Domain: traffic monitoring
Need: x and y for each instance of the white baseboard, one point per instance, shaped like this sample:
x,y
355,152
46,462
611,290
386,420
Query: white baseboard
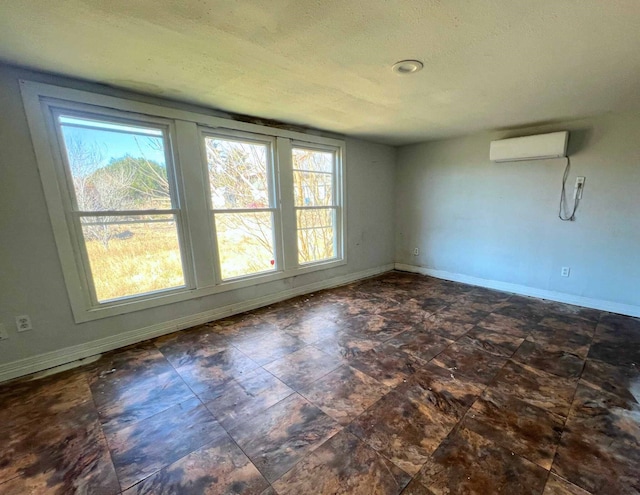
x,y
603,305
67,355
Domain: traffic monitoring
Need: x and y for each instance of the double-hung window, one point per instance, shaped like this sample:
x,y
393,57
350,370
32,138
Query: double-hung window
x,y
122,204
152,205
316,203
242,198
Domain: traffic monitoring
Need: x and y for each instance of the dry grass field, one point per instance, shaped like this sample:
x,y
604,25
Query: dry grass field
x,y
147,260
146,257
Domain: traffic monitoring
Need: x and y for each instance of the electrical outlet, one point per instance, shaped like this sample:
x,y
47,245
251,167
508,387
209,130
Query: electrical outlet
x,y
23,322
565,271
579,187
416,251
3,332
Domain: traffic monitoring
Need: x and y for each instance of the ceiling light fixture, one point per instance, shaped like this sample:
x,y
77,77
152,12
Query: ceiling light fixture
x,y
405,67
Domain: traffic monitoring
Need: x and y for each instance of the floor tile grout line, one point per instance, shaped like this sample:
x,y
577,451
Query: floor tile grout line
x,y
489,384
573,397
102,432
307,455
389,390
505,446
195,396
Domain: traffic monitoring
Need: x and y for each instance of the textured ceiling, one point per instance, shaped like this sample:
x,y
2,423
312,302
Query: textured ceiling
x,y
326,64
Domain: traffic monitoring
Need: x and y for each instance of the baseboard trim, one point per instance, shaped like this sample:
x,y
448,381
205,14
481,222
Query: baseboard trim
x,y
68,355
603,305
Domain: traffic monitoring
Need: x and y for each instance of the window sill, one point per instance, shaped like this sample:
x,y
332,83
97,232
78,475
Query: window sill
x,y
124,306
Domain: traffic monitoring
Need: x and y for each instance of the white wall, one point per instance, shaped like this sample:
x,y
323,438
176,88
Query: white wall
x,y
475,219
30,274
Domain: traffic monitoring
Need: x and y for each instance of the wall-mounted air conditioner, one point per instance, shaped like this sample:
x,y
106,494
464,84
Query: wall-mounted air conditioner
x,y
538,147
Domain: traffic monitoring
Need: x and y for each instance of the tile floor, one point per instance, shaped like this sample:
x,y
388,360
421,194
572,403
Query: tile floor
x,y
396,384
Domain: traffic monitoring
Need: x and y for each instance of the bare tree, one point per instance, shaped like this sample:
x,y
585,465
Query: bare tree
x,y
97,189
238,179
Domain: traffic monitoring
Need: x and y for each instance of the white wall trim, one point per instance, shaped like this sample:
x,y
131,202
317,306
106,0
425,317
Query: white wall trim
x,y
601,304
67,355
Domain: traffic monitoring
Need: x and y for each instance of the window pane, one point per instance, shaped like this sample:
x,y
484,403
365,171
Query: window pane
x,y
316,235
245,243
312,188
135,255
316,161
115,166
237,173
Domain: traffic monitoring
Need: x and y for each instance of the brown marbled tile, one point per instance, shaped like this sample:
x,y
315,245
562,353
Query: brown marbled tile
x,y
320,327
468,360
376,327
435,385
623,381
303,367
500,344
343,465
562,309
387,364
245,325
344,393
600,447
362,302
468,463
422,345
561,363
558,486
121,404
525,309
73,427
243,397
67,455
276,439
269,347
536,387
409,313
450,323
409,423
149,445
52,441
177,345
558,340
281,314
207,373
482,300
346,346
133,384
433,304
525,429
23,401
218,468
617,328
127,366
505,324
326,306
569,323
416,488
616,353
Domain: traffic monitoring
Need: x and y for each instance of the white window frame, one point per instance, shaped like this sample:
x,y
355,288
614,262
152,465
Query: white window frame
x,y
273,191
198,246
74,214
337,194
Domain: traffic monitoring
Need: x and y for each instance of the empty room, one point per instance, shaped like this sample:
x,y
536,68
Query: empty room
x,y
318,247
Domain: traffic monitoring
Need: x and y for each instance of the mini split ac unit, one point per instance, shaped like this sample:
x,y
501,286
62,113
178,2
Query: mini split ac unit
x,y
541,146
